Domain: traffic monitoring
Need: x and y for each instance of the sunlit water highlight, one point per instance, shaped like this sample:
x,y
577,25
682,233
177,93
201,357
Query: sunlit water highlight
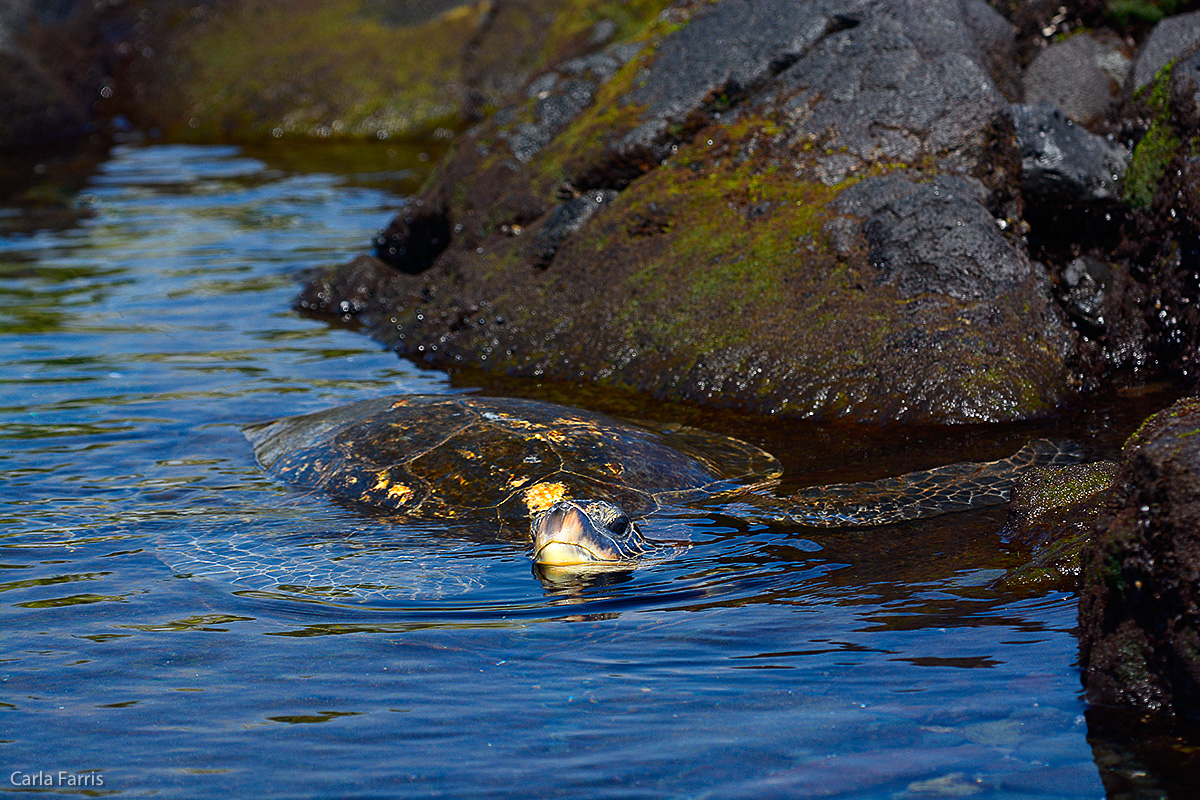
x,y
761,662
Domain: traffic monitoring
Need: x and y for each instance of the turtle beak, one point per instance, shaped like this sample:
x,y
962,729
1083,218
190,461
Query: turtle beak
x,y
563,535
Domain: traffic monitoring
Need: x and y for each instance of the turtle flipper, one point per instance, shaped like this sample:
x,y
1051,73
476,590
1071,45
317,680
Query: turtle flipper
x,y
927,493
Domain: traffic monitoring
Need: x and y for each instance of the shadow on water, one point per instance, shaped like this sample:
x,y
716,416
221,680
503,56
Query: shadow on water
x,y
1142,755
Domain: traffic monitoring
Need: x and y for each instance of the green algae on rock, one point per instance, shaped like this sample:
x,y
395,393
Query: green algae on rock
x,y
1052,513
1156,147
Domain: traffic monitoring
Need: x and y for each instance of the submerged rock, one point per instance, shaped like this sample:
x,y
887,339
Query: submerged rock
x,y
1139,614
1052,513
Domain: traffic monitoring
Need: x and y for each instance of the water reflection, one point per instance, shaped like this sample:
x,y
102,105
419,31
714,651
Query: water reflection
x,y
1143,755
762,660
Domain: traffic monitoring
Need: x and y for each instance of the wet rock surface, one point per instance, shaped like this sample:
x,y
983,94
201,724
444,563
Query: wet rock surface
x,y
1140,611
1124,263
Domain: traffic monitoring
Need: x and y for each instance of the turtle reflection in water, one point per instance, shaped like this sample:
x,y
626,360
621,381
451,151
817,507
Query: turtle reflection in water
x,y
581,480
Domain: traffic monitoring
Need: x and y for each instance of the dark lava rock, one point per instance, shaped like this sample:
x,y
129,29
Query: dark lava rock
x,y
728,50
1082,76
1063,163
1135,297
935,237
556,107
783,206
347,292
1171,39
561,95
1139,614
836,68
898,83
1153,317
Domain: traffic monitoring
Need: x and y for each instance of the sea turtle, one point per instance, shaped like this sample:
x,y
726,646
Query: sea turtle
x,y
581,480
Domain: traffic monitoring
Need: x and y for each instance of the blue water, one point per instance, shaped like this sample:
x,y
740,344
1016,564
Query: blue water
x,y
763,662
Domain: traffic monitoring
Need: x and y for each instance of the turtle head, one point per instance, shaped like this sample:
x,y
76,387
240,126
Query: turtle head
x,y
593,533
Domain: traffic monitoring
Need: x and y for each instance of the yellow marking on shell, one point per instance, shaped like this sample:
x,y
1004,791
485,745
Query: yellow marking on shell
x,y
541,496
395,491
468,454
400,493
517,483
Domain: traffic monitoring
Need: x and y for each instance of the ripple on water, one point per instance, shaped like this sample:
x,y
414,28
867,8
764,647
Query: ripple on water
x,y
161,592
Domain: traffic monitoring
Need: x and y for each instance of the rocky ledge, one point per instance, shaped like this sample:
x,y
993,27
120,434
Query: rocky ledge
x,y
821,208
1139,613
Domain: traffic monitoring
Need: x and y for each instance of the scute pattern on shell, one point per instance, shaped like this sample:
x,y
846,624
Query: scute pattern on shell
x,y
463,456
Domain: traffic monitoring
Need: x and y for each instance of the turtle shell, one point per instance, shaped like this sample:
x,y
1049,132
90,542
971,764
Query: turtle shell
x,y
437,456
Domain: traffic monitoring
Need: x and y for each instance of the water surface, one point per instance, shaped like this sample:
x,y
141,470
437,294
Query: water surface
x,y
765,661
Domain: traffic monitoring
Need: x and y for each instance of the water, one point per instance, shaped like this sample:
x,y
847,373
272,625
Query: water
x,y
762,662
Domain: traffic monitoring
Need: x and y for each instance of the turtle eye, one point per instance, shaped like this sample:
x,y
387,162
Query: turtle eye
x,y
619,525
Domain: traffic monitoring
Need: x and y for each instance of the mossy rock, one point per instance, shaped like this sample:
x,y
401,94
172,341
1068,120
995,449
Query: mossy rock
x,y
689,232
250,70
1157,146
723,280
1139,612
